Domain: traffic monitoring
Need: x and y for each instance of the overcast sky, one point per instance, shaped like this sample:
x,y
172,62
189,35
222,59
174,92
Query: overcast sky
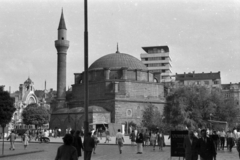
x,y
202,36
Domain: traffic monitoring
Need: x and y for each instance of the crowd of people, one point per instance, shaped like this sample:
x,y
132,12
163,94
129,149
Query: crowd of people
x,y
202,143
207,143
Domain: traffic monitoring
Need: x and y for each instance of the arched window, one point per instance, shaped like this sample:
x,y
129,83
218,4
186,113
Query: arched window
x,y
155,80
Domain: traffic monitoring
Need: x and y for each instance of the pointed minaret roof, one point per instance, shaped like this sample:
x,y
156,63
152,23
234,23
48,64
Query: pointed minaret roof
x,y
117,49
62,24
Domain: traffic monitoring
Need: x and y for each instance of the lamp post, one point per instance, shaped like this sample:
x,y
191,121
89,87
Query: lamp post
x,y
86,100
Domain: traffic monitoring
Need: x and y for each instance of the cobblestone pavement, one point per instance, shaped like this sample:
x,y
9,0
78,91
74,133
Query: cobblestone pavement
x,y
107,152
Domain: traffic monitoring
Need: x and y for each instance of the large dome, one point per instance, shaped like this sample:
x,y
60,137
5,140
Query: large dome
x,y
118,60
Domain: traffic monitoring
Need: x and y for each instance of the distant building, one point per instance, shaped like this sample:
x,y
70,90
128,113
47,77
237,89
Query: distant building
x,y
28,95
232,92
209,80
157,60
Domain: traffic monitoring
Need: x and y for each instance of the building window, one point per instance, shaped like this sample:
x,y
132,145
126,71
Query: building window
x,y
129,112
215,82
206,82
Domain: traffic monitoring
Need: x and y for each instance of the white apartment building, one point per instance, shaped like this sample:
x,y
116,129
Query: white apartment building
x,y
157,60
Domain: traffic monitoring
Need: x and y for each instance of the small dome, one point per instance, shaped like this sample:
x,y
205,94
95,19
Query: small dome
x,y
118,60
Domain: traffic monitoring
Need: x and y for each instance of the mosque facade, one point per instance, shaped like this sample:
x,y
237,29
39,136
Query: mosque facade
x,y
120,88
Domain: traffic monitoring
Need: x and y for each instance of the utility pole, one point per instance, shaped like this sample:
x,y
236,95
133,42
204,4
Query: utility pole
x,y
86,98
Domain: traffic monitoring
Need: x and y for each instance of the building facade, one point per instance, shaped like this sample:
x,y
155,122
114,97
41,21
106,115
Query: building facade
x,y
157,60
209,80
120,88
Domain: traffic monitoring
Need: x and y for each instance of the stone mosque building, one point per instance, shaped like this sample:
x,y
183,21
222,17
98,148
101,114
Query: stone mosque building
x,y
120,88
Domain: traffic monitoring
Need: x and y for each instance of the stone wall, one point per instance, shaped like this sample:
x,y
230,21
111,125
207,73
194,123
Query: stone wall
x,y
132,111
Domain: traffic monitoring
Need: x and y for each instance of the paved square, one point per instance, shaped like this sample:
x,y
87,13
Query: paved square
x,y
106,152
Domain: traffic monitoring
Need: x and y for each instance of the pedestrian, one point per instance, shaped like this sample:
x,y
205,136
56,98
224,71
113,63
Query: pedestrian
x,y
67,151
153,139
206,147
107,136
190,146
59,132
238,144
160,140
25,140
78,143
100,133
96,141
55,133
139,141
230,140
88,145
133,138
12,138
215,139
119,140
222,138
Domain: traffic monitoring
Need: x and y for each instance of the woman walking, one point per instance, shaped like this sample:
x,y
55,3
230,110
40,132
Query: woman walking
x,y
160,139
96,141
153,139
25,139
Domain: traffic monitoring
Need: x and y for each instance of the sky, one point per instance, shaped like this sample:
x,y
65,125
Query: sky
x,y
202,36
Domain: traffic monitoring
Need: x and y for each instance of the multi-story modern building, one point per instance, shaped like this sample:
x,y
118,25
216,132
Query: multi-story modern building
x,y
210,80
157,60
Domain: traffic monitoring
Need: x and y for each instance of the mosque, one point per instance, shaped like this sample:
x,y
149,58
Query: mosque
x,y
120,88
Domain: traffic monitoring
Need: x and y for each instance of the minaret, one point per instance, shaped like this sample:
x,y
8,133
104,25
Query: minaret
x,y
61,45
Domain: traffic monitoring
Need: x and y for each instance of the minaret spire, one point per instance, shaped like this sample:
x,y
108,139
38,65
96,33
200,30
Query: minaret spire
x,y
117,49
62,24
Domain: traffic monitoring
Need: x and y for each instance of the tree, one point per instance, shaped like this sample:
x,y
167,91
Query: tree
x,y
192,106
35,115
152,118
6,110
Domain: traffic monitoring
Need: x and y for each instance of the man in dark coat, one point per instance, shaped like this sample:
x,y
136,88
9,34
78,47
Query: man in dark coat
x,y
190,146
88,146
206,147
78,143
139,141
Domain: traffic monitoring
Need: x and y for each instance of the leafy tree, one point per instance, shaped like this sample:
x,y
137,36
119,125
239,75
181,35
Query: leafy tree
x,y
192,105
6,110
152,118
6,107
35,115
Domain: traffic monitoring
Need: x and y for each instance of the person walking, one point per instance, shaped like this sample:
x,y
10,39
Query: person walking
x,y
139,141
96,141
12,138
119,140
25,140
107,136
222,138
206,147
160,140
238,145
190,146
77,143
230,140
88,145
67,151
153,139
132,138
